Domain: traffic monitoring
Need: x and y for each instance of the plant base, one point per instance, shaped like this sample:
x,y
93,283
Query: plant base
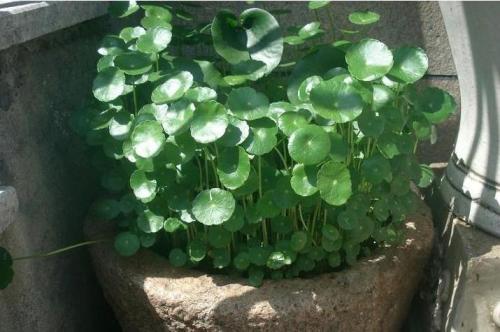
x,y
147,294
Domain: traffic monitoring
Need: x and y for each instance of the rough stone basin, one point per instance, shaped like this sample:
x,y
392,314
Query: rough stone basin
x,y
147,294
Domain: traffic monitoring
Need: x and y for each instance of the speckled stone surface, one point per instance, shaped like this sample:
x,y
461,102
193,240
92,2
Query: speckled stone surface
x,y
148,294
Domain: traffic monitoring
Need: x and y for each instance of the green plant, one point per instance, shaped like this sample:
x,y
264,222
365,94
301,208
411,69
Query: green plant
x,y
230,162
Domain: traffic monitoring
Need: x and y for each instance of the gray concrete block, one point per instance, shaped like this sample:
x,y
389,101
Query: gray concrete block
x,y
8,206
20,22
471,274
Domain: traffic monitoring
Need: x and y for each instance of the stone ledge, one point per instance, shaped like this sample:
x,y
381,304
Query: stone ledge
x,y
8,206
23,21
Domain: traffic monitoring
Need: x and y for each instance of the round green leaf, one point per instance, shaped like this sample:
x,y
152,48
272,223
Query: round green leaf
x,y
298,241
142,186
334,259
400,185
315,63
197,250
237,220
277,260
337,99
339,148
111,45
150,22
262,137
177,257
382,97
6,272
172,224
376,169
5,258
289,122
284,196
363,17
173,88
259,255
147,139
278,108
209,122
106,208
159,12
310,30
178,117
148,222
247,104
200,94
255,35
131,33
233,167
218,237
309,145
105,62
316,4
241,261
281,225
236,133
304,180
213,206
221,258
369,60
306,87
266,208
330,232
127,243
123,8
348,219
426,177
436,104
371,124
293,40
410,64
133,63
255,276
109,84
120,125
154,40
334,183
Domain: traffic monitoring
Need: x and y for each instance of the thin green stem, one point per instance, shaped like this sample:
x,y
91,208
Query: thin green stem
x,y
200,170
259,167
302,218
213,166
58,251
206,171
135,99
415,146
281,157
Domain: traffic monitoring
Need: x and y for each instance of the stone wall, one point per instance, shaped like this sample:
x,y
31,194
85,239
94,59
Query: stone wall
x,y
41,82
44,79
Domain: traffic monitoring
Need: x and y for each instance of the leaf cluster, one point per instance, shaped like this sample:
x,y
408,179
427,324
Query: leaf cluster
x,y
225,164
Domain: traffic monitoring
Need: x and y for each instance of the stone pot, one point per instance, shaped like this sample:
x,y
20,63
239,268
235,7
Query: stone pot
x,y
147,294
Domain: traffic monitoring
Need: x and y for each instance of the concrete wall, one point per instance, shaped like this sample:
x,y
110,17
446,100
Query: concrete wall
x,y
43,80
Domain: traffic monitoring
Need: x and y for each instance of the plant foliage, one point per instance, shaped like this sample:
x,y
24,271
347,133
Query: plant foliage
x,y
223,164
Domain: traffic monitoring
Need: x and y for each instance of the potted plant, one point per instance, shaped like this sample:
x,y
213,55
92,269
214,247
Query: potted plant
x,y
238,172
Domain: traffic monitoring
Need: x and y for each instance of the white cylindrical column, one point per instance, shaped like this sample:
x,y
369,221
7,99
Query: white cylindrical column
x,y
471,184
